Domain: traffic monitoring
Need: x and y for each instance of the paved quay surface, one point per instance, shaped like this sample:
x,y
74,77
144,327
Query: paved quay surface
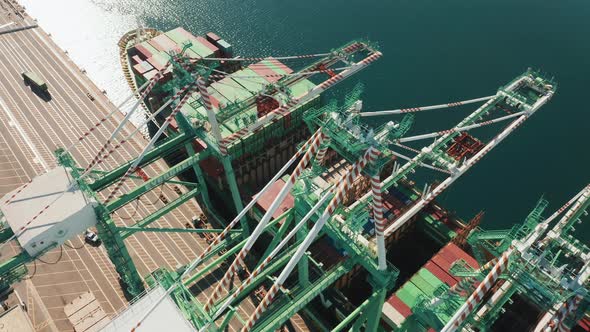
x,y
30,130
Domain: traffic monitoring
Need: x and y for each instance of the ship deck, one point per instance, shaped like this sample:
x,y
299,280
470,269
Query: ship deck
x,y
31,129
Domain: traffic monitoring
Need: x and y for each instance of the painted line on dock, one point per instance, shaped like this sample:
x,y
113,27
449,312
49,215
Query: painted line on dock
x,y
23,135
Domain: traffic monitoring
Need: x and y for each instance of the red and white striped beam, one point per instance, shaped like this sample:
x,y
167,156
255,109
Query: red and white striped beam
x,y
302,73
459,129
420,204
316,140
148,89
322,153
376,190
279,112
345,185
270,257
289,57
557,321
227,229
102,120
151,143
104,155
426,108
476,297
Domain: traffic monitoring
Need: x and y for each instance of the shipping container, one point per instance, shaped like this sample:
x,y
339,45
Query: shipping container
x,y
423,285
146,50
276,64
164,44
392,316
212,37
442,262
430,278
231,90
409,294
35,80
252,81
136,59
208,44
264,71
301,88
267,198
400,306
200,49
460,254
180,36
158,61
218,101
150,74
225,48
142,67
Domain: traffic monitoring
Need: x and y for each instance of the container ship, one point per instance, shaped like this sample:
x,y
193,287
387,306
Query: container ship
x,y
333,231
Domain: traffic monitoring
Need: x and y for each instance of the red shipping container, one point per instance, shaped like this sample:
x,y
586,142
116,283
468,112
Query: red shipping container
x,y
442,262
440,274
212,37
268,197
210,46
156,63
400,306
163,43
460,254
448,254
264,71
144,53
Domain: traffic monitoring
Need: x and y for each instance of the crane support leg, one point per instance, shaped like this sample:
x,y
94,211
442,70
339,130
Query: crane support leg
x,y
118,254
352,317
235,193
303,265
200,178
13,270
374,309
5,234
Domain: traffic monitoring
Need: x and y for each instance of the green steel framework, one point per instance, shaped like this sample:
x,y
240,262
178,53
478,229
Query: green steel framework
x,y
527,275
312,279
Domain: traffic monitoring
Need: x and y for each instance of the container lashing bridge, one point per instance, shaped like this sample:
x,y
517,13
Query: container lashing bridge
x,y
322,208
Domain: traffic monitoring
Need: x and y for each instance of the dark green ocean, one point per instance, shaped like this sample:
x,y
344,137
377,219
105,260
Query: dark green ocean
x,y
434,52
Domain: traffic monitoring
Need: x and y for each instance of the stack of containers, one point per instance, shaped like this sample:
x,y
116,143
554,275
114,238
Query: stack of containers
x,y
264,202
156,50
439,231
423,283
